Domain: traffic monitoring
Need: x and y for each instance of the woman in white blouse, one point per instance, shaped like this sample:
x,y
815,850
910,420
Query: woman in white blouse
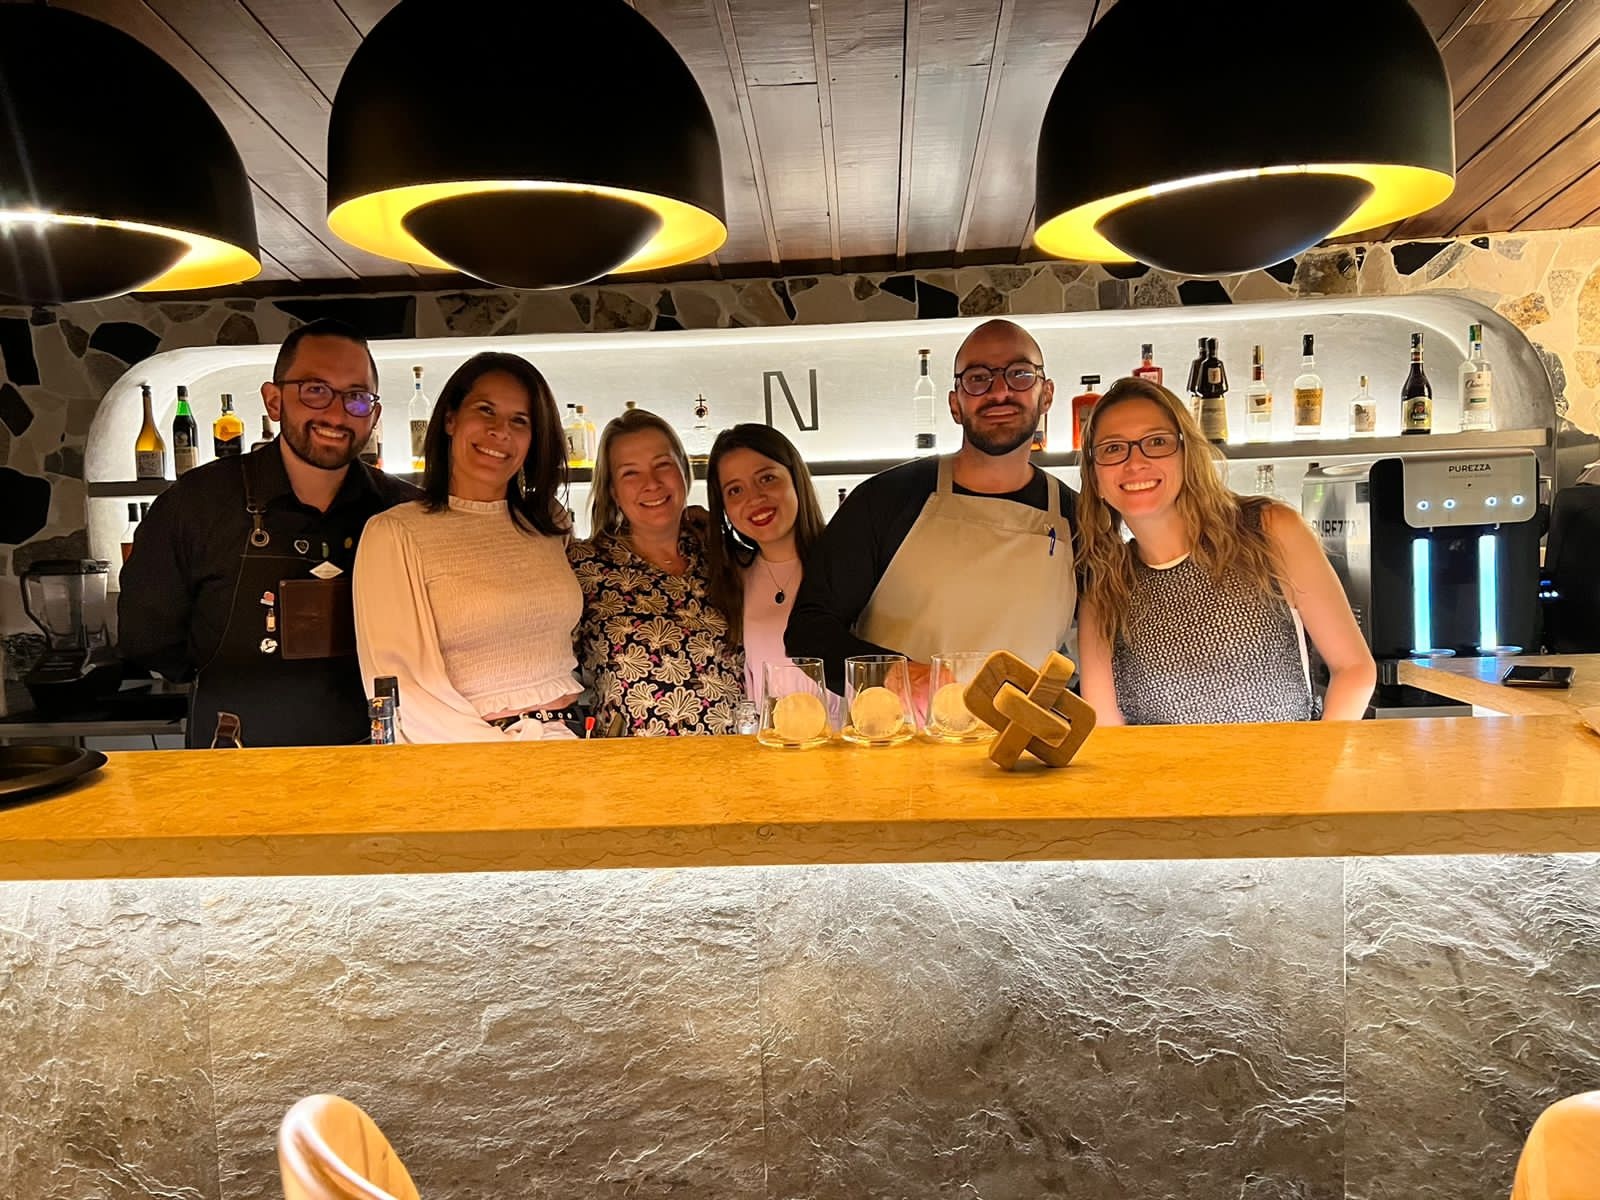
x,y
465,596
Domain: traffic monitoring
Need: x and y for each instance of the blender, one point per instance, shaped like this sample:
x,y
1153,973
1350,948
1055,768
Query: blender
x,y
66,599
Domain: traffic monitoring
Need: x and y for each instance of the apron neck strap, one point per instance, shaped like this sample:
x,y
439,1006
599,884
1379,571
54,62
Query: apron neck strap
x,y
947,474
258,531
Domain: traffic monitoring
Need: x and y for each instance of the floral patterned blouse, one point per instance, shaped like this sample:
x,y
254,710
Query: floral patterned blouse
x,y
651,644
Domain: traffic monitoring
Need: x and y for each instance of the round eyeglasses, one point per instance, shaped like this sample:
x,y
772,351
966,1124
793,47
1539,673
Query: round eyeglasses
x,y
358,402
1019,377
1152,445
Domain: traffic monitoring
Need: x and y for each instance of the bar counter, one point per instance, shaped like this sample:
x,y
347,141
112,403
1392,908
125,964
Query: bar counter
x,y
1518,785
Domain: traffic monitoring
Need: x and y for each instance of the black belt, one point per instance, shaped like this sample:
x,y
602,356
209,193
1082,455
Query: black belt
x,y
573,717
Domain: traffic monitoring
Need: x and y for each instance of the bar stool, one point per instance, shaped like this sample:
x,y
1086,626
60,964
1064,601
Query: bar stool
x,y
1561,1158
329,1149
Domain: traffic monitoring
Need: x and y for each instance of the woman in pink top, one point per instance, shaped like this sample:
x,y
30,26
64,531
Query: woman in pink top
x,y
765,507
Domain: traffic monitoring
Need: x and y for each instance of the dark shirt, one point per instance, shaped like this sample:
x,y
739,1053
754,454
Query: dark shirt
x,y
178,584
843,569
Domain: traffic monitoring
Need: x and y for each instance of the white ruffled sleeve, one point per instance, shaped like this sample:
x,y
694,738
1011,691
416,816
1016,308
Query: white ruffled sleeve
x,y
396,635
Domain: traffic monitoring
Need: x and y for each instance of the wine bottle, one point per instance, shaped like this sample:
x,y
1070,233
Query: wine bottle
x,y
227,431
1083,408
1147,369
266,434
417,418
1477,385
1308,391
185,435
131,530
1363,413
1258,399
1416,394
149,451
1214,396
925,408
1194,379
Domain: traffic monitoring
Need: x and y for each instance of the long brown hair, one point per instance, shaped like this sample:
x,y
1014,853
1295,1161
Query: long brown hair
x,y
727,553
540,505
1226,530
605,514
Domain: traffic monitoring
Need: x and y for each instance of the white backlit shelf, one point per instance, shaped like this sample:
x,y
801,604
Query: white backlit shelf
x,y
1318,448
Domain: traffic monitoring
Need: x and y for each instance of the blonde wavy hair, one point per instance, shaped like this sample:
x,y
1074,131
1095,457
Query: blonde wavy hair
x,y
605,514
1226,530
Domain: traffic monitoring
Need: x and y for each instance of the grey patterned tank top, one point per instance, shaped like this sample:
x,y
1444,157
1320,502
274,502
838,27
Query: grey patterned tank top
x,y
1195,653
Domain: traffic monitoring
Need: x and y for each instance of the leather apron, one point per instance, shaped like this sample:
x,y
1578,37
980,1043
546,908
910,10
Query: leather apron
x,y
976,573
283,695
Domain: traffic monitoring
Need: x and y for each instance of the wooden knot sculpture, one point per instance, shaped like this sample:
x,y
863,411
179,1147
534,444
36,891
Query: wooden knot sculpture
x,y
1032,710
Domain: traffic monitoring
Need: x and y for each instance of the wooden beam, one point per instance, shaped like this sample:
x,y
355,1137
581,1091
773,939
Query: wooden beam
x,y
910,71
830,164
865,45
317,35
991,93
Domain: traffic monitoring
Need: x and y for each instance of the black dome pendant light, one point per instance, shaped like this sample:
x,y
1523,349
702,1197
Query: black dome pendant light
x,y
1182,135
548,143
98,195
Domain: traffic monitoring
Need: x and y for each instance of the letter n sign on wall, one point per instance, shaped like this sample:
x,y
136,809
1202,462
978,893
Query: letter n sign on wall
x,y
767,378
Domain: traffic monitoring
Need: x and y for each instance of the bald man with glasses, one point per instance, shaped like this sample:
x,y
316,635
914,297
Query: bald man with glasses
x,y
239,579
964,552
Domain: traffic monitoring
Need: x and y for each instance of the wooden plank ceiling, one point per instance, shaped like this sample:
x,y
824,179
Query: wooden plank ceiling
x,y
877,133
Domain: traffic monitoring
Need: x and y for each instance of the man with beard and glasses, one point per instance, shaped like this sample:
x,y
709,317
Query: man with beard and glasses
x,y
966,552
239,579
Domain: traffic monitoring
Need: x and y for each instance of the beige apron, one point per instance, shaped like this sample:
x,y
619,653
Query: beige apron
x,y
976,573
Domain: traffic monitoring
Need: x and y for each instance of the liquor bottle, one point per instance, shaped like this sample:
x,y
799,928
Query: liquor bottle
x,y
699,446
1083,408
385,709
417,418
372,452
1267,481
1477,385
925,408
133,528
1363,413
266,434
1308,391
843,492
1213,396
1147,368
590,444
1258,399
149,451
185,435
1194,379
227,431
572,434
1416,394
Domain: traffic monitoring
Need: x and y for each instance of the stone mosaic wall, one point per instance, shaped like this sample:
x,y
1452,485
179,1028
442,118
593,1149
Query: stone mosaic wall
x,y
55,363
1274,1030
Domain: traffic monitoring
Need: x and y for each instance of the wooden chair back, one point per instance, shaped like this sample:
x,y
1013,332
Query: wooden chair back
x,y
329,1149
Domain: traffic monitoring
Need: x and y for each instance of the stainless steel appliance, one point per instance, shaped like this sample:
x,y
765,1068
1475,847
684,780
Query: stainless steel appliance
x,y
66,599
1438,554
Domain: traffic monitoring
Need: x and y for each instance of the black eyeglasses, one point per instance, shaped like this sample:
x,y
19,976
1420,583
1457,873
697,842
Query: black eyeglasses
x,y
1019,377
1152,445
358,402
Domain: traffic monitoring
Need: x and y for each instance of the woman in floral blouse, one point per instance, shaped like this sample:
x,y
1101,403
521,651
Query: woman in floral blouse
x,y
652,646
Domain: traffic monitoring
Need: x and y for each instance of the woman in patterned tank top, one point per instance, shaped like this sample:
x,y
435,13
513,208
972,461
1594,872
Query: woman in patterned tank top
x,y
1202,616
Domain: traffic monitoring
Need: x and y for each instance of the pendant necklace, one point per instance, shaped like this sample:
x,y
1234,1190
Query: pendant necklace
x,y
781,594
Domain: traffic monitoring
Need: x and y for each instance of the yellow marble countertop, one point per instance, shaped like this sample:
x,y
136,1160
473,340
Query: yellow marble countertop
x,y
1391,787
1477,681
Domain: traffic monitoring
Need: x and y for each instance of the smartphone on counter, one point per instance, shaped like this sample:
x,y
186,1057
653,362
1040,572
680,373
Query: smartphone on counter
x,y
1524,675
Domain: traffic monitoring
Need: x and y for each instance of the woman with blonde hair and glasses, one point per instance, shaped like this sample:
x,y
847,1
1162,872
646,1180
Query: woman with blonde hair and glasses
x,y
1202,617
653,646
